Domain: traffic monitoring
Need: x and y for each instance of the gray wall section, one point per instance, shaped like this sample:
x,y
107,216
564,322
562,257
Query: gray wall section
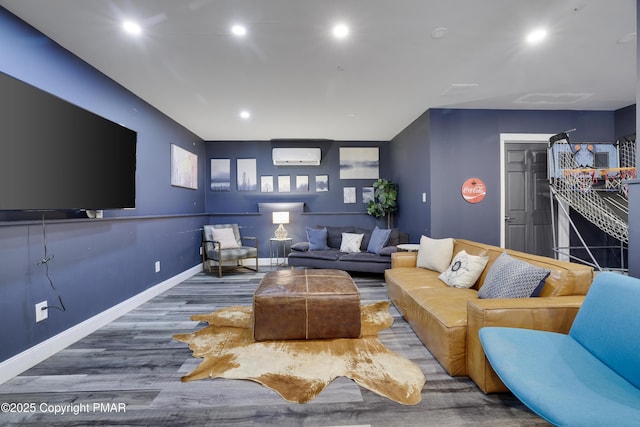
x,y
97,263
634,188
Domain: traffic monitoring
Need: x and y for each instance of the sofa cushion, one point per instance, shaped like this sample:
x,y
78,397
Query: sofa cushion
x,y
464,270
334,234
300,246
317,239
365,257
435,254
351,242
366,232
511,278
328,254
388,250
226,237
394,237
379,238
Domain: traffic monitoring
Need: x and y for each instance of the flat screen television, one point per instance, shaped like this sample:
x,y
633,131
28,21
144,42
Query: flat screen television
x,y
55,155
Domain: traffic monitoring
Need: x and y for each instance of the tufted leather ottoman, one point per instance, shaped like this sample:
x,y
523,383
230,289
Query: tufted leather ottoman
x,y
306,304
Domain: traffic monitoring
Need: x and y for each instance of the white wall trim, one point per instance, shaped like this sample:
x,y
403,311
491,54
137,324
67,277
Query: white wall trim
x,y
39,352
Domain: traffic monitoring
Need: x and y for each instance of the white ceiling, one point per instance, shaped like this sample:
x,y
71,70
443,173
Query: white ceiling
x,y
300,82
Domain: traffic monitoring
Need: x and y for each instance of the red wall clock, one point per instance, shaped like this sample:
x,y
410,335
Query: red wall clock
x,y
473,190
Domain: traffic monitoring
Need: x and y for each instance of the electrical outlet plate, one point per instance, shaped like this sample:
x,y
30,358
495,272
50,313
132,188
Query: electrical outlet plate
x,y
42,312
157,266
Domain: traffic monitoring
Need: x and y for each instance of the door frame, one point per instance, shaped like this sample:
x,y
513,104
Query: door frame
x,y
528,138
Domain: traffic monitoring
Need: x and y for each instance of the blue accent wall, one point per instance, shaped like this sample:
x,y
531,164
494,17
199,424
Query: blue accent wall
x,y
320,208
443,148
97,263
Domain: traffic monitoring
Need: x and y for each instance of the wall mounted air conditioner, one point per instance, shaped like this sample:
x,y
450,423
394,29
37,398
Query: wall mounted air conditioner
x,y
289,156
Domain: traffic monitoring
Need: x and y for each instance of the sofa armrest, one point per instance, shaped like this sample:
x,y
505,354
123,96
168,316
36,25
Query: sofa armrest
x,y
555,314
404,259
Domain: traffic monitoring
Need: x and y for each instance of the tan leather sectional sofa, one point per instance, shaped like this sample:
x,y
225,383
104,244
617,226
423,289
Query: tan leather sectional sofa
x,y
447,319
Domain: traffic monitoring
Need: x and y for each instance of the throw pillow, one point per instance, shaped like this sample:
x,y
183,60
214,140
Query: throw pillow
x,y
317,239
226,238
435,254
378,240
351,242
511,278
464,270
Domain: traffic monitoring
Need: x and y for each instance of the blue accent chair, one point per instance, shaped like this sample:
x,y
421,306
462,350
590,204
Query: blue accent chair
x,y
590,377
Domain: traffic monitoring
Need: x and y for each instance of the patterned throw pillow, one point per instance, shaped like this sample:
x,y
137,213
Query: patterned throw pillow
x,y
464,270
435,254
511,278
351,242
226,237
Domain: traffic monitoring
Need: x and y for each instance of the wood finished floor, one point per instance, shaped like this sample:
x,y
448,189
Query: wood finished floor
x,y
131,370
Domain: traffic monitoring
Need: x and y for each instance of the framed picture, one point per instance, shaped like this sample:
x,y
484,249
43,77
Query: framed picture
x,y
247,175
184,168
220,175
349,194
359,162
302,183
266,183
367,194
284,183
322,182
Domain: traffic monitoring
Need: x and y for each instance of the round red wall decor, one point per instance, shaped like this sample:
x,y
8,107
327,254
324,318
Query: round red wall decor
x,y
473,190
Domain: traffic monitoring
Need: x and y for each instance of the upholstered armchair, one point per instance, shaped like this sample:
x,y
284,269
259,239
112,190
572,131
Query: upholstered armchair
x,y
222,243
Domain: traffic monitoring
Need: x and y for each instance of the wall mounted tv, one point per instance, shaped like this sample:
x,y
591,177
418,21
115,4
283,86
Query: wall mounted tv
x,y
57,156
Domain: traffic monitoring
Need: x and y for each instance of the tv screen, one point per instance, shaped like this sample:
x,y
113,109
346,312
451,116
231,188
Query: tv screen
x,y
55,155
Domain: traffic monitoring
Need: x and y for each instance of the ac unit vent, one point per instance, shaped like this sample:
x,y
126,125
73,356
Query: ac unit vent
x,y
296,156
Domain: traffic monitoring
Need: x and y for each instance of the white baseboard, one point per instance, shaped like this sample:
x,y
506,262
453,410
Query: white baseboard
x,y
39,352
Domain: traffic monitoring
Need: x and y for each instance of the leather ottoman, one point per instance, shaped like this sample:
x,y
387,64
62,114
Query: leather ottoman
x,y
306,304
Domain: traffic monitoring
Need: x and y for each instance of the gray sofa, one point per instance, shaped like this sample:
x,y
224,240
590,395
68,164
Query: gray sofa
x,y
362,261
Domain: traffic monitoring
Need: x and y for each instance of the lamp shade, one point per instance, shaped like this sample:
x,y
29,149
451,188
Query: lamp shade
x,y
281,217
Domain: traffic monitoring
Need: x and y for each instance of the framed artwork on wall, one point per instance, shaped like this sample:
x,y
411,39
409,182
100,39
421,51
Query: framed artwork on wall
x,y
367,194
359,162
220,175
266,183
302,183
322,182
284,183
184,168
247,175
349,194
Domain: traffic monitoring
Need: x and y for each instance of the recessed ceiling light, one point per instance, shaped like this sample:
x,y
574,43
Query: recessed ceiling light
x,y
439,33
536,36
132,27
340,31
245,114
239,30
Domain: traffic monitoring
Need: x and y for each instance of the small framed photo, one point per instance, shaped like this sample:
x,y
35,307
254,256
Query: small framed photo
x,y
266,183
349,194
284,183
322,182
367,194
302,183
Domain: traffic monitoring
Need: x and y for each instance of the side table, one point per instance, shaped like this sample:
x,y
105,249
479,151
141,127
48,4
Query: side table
x,y
275,246
409,247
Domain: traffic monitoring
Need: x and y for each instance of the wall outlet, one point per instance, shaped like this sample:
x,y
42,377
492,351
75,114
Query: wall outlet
x,y
200,250
424,197
42,312
157,266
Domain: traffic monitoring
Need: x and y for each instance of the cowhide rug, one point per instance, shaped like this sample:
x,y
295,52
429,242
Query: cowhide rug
x,y
300,370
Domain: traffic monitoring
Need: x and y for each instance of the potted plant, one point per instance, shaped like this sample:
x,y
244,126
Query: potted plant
x,y
385,200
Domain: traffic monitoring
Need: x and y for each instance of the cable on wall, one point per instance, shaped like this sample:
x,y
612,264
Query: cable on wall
x,y
45,261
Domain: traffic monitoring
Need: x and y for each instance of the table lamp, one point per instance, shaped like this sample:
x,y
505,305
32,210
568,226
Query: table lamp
x,y
280,218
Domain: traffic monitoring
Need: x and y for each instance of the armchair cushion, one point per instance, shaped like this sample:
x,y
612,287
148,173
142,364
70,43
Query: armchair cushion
x,y
226,237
